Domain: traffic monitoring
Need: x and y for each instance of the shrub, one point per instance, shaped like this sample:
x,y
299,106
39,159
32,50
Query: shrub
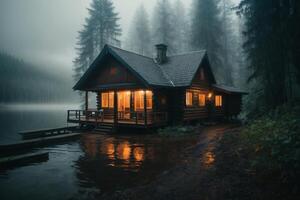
x,y
273,142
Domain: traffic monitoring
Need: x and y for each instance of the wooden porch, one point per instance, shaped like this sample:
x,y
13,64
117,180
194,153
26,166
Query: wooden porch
x,y
125,119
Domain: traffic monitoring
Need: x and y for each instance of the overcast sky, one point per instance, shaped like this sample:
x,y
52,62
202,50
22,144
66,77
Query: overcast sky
x,y
44,31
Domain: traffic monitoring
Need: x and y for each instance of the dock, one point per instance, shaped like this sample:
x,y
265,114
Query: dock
x,y
37,142
19,153
11,161
47,132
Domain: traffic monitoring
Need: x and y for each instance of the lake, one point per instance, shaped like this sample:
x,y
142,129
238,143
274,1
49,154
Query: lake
x,y
15,118
88,167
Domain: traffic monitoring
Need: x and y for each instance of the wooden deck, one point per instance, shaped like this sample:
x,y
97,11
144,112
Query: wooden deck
x,y
136,119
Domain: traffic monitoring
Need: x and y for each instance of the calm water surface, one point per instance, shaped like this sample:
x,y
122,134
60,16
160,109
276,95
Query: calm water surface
x,y
91,166
18,117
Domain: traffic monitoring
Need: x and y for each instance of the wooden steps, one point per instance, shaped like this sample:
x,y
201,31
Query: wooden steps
x,y
104,128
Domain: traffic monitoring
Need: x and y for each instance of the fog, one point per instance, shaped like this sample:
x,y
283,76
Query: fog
x,y
44,32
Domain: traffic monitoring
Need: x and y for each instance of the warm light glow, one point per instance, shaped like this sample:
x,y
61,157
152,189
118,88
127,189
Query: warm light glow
x,y
209,158
149,95
201,99
110,150
189,99
107,99
124,151
123,100
104,100
139,100
138,154
209,95
218,100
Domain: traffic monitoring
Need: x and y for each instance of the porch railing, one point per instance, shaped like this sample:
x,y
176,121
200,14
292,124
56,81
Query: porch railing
x,y
123,117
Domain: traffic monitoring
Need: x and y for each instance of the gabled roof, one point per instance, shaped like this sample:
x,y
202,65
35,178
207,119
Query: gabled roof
x,y
178,71
142,65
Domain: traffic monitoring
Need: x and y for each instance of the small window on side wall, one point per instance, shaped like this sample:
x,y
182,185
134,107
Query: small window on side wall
x,y
201,99
188,98
218,101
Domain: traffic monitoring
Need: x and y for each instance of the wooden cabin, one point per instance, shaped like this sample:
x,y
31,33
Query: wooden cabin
x,y
137,91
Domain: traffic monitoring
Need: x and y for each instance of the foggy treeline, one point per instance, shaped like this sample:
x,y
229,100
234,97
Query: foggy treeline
x,y
252,45
206,24
272,47
21,82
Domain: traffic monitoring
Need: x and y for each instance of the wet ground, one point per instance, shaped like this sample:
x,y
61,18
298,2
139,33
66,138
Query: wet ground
x,y
183,181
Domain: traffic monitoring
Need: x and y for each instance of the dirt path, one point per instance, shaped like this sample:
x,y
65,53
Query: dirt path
x,y
183,181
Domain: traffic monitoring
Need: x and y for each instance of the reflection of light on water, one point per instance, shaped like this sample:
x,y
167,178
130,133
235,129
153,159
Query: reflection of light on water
x,y
121,154
110,150
138,153
124,151
208,158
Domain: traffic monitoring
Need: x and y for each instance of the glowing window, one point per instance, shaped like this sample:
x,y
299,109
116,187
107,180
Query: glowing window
x,y
123,100
107,99
138,100
149,95
111,99
188,98
218,100
201,99
104,100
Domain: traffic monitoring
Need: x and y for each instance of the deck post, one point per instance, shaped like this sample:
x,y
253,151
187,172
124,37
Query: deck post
x,y
145,107
115,108
86,100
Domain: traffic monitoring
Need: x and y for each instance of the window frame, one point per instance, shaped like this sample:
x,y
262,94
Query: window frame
x,y
188,98
139,97
218,100
107,97
199,100
149,97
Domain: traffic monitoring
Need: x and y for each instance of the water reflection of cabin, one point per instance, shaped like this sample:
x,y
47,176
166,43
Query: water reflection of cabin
x,y
139,91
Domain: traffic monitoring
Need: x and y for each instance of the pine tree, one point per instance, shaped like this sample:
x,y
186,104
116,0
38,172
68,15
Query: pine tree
x,y
162,25
271,36
101,27
181,28
206,33
139,38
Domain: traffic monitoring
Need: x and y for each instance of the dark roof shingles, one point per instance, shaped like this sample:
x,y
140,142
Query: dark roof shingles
x,y
178,71
144,66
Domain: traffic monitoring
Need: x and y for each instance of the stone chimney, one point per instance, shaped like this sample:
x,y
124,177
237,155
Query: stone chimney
x,y
161,50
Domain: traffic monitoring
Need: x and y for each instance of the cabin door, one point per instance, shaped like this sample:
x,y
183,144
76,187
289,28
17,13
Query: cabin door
x,y
124,105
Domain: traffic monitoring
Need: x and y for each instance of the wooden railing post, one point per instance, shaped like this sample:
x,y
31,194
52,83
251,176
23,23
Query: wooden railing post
x,y
145,107
136,118
115,108
86,100
96,116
